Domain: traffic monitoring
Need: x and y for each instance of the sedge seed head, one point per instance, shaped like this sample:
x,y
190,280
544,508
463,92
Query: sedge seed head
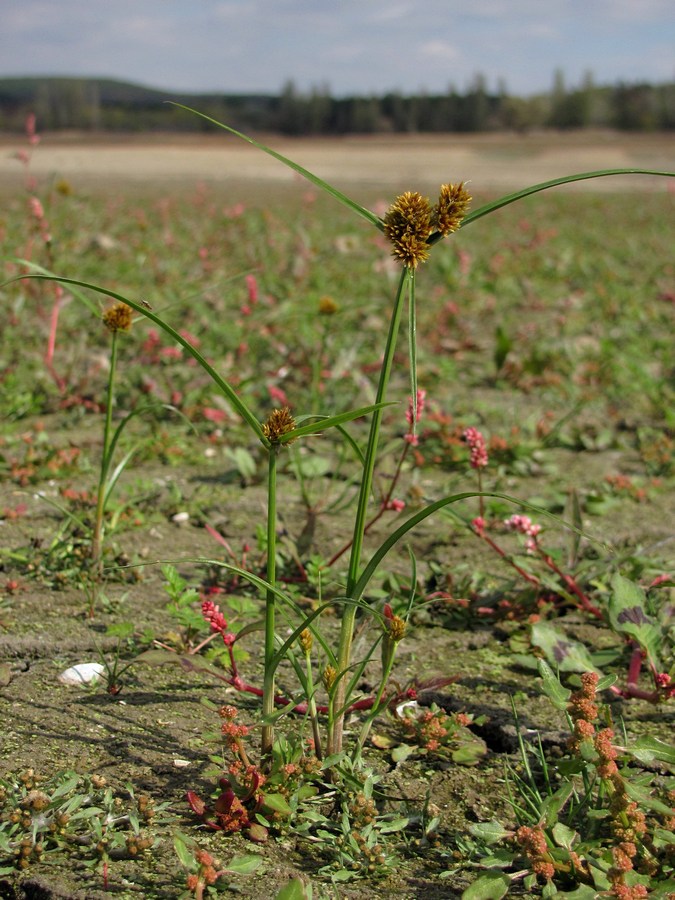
x,y
306,640
407,226
328,306
451,208
279,422
118,318
328,677
396,627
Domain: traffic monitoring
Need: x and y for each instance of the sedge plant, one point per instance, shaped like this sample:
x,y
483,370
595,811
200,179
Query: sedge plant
x,y
412,226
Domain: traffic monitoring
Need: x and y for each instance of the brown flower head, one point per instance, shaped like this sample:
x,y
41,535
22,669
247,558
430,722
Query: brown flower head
x,y
451,208
279,422
118,318
328,306
407,225
328,677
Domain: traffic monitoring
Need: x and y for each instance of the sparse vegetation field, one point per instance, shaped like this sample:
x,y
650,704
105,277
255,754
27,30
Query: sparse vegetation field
x,y
545,382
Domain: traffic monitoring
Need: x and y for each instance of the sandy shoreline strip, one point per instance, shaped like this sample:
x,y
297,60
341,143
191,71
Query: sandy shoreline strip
x,y
396,162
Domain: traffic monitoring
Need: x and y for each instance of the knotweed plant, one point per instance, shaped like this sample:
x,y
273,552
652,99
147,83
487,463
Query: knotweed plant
x,y
413,225
591,822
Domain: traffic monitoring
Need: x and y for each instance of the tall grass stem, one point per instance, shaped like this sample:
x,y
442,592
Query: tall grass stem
x,y
270,606
97,536
349,615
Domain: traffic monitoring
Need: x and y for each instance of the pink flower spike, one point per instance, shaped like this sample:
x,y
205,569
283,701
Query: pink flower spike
x,y
396,505
479,525
36,208
523,525
213,615
252,288
415,413
476,442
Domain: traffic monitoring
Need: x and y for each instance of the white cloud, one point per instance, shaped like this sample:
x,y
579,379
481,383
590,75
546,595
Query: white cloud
x,y
369,45
441,50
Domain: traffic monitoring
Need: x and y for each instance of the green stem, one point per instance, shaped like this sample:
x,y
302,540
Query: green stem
x,y
97,536
311,702
270,605
349,616
375,710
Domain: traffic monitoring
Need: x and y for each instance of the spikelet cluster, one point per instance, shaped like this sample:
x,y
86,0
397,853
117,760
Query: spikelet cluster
x,y
118,318
279,422
411,222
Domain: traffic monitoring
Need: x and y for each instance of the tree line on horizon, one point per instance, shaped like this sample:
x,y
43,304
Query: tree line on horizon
x,y
95,104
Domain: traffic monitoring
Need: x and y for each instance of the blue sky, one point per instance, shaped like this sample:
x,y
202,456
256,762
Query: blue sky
x,y
351,46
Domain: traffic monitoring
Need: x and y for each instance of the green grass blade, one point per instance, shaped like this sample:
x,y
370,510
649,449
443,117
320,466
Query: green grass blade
x,y
332,421
545,185
310,176
232,397
40,270
119,468
412,348
429,510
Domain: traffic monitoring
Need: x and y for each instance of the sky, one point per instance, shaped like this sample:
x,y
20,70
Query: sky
x,y
349,46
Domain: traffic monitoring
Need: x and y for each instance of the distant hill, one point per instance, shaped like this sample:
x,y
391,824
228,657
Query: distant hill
x,y
104,104
109,105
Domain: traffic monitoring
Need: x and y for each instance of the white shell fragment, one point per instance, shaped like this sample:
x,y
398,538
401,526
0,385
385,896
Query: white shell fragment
x,y
180,518
83,673
181,763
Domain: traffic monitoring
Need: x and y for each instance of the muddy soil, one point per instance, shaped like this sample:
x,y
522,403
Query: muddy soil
x,y
152,733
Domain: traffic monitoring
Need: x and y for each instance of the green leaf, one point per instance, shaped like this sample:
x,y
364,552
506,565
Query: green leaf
x,y
429,510
469,753
545,185
645,799
564,836
566,654
663,891
501,858
277,804
490,832
491,886
232,397
319,182
402,752
628,615
503,346
395,825
69,785
556,693
325,422
295,890
646,749
663,837
550,808
244,865
585,892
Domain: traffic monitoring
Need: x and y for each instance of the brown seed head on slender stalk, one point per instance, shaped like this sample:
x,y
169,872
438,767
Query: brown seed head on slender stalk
x,y
118,318
407,225
451,208
279,422
396,627
328,306
328,677
306,640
